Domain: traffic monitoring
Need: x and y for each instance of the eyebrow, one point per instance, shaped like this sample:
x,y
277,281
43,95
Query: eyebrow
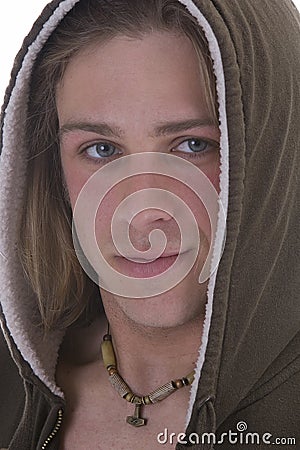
x,y
99,128
162,129
177,127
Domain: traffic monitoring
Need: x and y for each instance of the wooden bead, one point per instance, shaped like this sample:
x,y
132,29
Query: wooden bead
x,y
107,337
146,400
185,381
178,384
190,377
129,396
108,354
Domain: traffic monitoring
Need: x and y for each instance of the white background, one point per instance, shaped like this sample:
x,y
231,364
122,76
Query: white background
x,y
16,19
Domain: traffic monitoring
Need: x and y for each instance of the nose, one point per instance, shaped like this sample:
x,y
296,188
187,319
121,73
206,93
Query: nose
x,y
148,217
149,203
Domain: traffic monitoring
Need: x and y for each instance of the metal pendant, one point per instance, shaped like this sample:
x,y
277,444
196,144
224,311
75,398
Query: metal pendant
x,y
136,420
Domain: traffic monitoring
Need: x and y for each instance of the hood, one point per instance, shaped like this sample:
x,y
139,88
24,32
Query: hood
x,y
252,313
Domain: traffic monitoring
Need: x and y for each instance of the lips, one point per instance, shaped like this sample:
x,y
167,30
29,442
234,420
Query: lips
x,y
144,268
150,259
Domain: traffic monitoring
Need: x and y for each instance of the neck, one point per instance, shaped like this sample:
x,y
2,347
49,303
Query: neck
x,y
149,356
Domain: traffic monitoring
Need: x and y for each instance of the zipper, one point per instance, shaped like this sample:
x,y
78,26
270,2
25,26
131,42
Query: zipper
x,y
55,430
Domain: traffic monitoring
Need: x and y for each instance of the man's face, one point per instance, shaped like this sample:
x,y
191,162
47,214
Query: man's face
x,y
135,96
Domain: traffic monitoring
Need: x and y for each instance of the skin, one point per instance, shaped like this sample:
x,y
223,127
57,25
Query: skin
x,y
163,84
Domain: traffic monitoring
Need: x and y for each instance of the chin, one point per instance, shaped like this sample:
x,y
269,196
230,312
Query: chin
x,y
168,310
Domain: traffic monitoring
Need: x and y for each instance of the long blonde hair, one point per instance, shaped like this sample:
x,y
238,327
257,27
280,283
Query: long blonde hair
x,y
63,289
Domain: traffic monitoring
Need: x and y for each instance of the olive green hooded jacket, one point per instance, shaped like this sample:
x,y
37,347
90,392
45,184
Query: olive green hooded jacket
x,y
248,372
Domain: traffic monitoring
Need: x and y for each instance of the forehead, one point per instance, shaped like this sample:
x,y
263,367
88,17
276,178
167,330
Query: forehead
x,y
157,73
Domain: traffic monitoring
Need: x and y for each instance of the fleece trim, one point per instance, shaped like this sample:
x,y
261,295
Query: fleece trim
x,y
18,303
224,189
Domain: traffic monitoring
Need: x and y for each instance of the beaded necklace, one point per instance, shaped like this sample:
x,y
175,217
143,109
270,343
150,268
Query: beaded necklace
x,y
159,394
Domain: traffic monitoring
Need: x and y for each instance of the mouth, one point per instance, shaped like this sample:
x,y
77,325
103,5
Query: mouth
x,y
142,268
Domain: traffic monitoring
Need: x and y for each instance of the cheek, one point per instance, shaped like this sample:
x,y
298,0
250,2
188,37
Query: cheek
x,y
74,177
199,212
213,174
104,217
212,170
202,213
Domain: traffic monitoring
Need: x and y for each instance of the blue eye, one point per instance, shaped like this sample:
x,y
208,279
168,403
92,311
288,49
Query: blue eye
x,y
193,146
101,150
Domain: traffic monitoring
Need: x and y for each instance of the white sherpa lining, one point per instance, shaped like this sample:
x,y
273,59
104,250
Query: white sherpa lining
x,y
224,187
19,305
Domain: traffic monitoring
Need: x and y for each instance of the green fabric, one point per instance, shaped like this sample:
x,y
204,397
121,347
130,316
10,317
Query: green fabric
x,y
254,342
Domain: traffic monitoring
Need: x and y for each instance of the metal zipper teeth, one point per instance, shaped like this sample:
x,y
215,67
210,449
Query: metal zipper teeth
x,y
55,429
